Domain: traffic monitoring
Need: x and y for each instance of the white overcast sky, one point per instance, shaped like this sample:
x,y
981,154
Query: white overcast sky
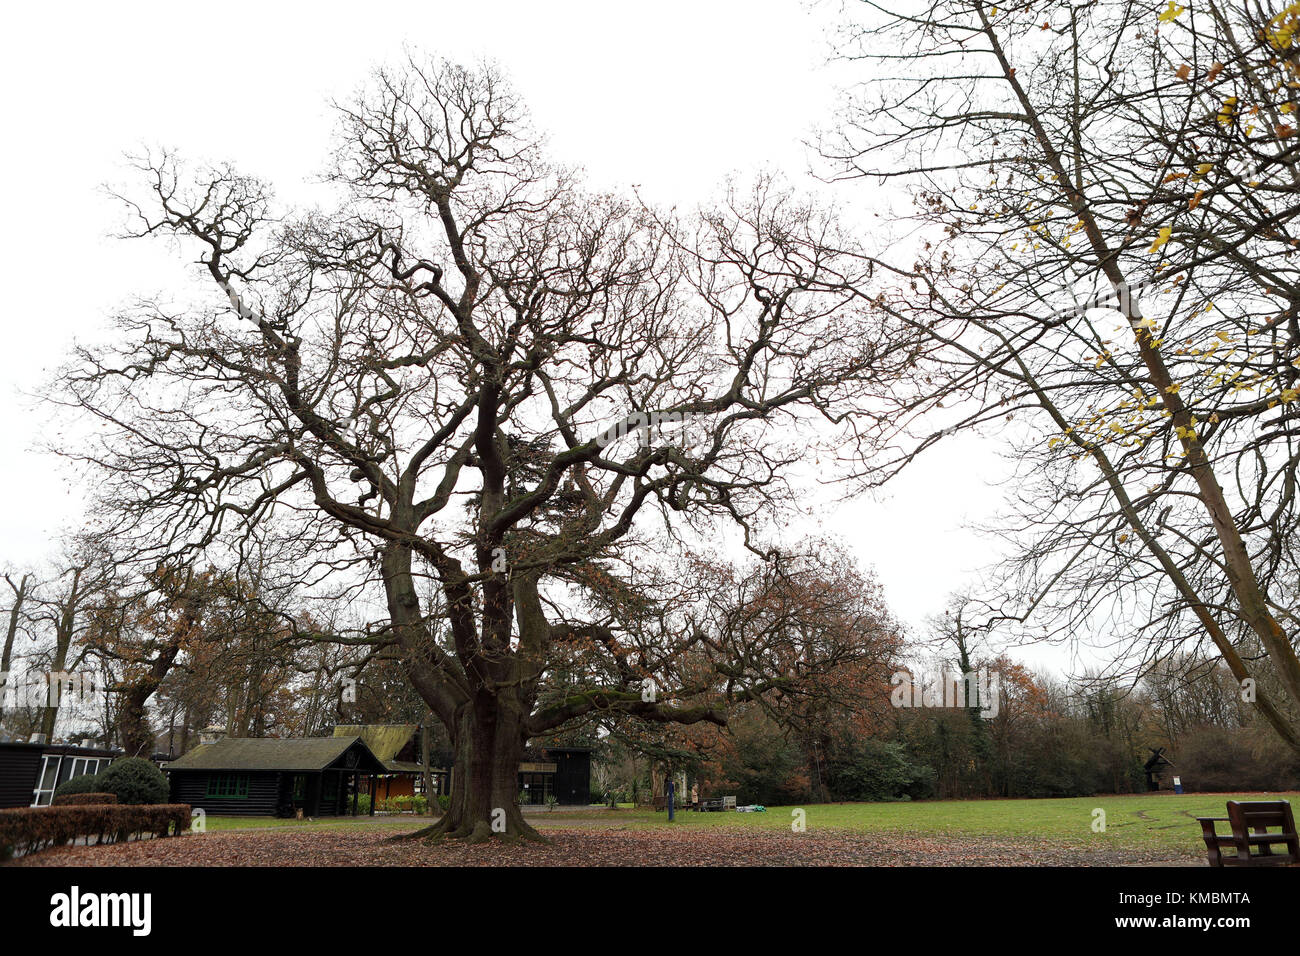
x,y
673,96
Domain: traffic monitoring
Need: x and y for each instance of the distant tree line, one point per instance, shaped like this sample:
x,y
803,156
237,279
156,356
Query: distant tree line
x,y
1049,738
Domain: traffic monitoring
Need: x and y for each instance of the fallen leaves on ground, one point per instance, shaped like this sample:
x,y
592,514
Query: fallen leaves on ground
x,y
602,846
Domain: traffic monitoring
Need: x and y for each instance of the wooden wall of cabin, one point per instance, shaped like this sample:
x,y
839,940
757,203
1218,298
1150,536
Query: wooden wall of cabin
x,y
191,786
572,782
395,786
332,791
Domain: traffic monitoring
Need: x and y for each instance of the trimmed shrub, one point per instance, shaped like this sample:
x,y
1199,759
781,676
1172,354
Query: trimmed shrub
x,y
30,829
135,781
86,783
76,799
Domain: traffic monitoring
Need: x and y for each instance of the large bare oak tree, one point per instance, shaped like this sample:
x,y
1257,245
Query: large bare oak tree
x,y
481,382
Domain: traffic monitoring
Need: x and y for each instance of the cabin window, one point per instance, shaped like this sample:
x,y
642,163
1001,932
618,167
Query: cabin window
x,y
47,781
228,786
534,788
330,787
299,786
79,766
56,769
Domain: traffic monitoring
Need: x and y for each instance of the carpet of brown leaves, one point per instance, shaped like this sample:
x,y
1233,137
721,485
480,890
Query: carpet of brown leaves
x,y
600,846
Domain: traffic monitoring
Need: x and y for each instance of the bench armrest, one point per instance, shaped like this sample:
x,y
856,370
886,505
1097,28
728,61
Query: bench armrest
x,y
1210,831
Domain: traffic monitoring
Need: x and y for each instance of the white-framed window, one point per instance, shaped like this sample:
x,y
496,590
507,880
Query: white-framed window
x,y
55,769
80,766
47,781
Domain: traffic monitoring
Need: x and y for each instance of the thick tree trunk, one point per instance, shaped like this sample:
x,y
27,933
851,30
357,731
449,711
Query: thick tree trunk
x,y
481,701
55,687
11,634
63,631
134,729
133,723
488,743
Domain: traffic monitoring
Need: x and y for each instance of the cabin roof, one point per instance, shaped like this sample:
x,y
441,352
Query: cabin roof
x,y
407,766
384,740
268,753
1158,761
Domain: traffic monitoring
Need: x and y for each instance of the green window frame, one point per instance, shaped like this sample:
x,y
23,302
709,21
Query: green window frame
x,y
228,786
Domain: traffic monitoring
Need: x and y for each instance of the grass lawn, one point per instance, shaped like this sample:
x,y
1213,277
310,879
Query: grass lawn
x,y
1156,825
1152,822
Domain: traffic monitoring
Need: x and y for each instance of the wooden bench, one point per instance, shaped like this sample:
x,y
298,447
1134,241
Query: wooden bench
x,y
1250,821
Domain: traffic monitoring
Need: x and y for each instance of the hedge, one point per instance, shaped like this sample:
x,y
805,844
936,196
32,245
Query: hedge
x,y
29,829
68,799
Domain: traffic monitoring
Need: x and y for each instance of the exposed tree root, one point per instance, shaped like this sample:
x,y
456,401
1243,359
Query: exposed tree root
x,y
479,832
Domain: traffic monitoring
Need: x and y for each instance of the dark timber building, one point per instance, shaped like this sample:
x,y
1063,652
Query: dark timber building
x,y
238,776
560,772
30,772
1157,768
546,771
322,776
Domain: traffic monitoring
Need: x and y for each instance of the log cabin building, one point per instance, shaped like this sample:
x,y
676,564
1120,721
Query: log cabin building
x,y
245,776
322,776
